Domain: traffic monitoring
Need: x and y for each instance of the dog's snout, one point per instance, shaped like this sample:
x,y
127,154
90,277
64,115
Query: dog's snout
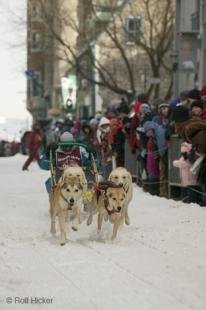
x,y
121,184
72,200
119,208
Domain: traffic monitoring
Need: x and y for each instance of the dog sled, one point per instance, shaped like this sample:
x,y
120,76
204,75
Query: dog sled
x,y
74,154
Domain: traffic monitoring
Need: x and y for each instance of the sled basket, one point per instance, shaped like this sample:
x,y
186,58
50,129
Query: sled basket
x,y
75,153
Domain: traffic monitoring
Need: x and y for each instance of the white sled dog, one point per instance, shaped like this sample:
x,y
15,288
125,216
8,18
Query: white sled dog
x,y
66,200
109,204
121,176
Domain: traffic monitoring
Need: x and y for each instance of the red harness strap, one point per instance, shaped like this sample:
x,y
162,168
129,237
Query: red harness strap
x,y
105,185
102,187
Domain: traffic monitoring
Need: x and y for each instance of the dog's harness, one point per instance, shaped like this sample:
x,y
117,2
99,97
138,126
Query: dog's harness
x,y
64,198
101,188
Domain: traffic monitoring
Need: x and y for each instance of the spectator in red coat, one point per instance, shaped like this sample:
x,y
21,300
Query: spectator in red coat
x,y
34,144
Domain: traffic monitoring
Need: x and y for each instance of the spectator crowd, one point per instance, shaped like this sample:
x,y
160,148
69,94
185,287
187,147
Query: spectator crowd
x,y
144,129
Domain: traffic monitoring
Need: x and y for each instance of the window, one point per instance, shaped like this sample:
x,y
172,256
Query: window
x,y
36,87
36,41
195,21
133,27
36,12
204,12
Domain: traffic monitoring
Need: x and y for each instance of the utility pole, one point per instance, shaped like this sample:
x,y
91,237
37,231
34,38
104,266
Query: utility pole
x,y
176,50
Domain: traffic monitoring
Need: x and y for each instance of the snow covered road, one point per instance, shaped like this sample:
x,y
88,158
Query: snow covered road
x,y
156,263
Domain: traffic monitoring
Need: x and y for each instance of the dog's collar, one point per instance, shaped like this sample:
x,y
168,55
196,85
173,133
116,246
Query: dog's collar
x,y
64,198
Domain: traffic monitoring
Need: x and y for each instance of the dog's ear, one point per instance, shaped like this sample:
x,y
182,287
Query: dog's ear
x,y
107,192
83,181
64,185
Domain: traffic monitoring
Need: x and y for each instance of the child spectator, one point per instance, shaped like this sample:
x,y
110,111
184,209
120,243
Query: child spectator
x,y
188,180
152,158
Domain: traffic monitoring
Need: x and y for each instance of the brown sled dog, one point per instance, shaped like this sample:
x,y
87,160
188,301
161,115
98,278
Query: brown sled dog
x,y
109,204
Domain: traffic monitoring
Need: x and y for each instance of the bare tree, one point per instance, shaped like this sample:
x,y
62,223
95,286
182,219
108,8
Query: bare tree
x,y
117,68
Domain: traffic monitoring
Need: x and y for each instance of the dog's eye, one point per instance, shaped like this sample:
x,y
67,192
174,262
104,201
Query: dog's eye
x,y
68,190
76,190
116,177
124,177
122,199
114,199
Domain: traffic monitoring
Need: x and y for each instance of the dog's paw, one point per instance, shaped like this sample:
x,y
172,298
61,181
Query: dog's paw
x,y
127,220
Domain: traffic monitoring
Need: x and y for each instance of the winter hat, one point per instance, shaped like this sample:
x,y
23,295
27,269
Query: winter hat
x,y
66,137
93,121
162,104
104,121
197,103
145,108
194,94
180,114
203,91
149,125
173,102
137,107
195,133
185,147
98,115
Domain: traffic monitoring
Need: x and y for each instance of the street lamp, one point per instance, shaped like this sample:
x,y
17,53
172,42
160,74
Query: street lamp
x,y
175,68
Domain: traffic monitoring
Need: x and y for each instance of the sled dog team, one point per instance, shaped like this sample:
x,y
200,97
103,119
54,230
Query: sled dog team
x,y
110,200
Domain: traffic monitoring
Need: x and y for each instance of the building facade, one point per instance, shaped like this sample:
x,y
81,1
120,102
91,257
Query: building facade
x,y
190,45
46,65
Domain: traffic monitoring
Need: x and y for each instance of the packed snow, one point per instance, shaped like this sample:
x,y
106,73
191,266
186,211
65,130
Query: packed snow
x,y
156,263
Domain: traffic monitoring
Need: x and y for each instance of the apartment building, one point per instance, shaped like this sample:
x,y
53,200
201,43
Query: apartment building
x,y
46,66
190,45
